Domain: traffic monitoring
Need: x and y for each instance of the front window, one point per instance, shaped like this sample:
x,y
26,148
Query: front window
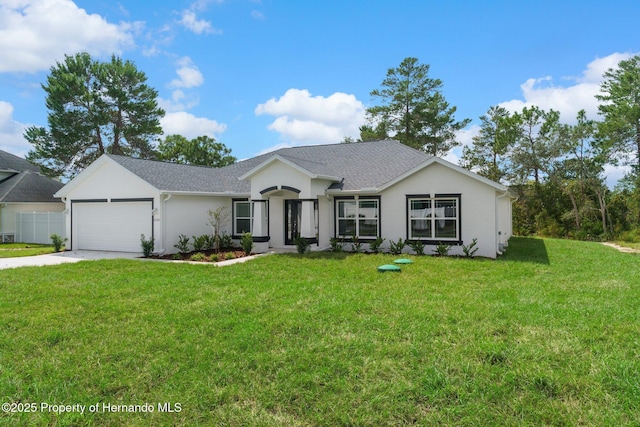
x,y
434,218
359,217
242,217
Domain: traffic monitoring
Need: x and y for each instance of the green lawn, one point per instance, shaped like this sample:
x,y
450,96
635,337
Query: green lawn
x,y
11,250
547,335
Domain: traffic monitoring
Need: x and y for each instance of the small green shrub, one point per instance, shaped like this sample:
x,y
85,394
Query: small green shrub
x,y
177,257
58,242
376,245
199,256
470,250
356,245
395,248
229,255
200,243
247,243
214,258
183,244
147,246
442,249
337,244
210,242
302,244
226,242
417,246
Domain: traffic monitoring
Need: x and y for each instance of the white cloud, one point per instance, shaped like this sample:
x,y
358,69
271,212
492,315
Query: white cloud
x,y
36,33
198,26
188,75
568,99
302,118
190,126
11,132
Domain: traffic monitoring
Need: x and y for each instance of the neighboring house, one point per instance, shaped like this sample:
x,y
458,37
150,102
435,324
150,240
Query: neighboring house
x,y
374,189
24,190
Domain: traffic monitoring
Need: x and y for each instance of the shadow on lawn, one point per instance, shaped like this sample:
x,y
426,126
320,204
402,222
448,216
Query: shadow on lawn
x,y
526,249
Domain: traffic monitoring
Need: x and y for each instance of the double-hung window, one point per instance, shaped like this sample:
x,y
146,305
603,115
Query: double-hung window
x,y
359,217
242,217
434,218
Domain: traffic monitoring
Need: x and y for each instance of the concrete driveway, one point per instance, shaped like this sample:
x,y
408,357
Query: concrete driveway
x,y
63,257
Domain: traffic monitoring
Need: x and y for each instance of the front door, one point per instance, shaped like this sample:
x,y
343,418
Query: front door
x,y
292,218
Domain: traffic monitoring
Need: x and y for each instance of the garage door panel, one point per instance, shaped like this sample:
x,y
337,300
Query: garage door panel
x,y
114,226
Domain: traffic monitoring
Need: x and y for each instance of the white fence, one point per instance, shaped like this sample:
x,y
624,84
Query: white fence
x,y
37,227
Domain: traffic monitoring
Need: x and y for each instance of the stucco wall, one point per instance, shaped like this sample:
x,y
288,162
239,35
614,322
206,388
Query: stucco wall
x,y
477,207
111,181
189,215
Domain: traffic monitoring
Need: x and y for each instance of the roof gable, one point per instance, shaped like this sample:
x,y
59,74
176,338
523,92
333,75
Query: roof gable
x,y
440,161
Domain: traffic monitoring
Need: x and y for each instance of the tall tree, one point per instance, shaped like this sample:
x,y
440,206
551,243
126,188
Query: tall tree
x,y
413,109
203,150
536,145
620,95
488,154
94,108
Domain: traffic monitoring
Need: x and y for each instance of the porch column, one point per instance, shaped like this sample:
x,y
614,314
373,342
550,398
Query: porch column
x,y
260,226
308,221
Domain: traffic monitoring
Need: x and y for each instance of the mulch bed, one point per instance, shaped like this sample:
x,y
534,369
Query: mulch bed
x,y
209,256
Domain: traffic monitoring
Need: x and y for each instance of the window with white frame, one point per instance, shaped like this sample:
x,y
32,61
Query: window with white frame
x,y
242,217
434,218
359,217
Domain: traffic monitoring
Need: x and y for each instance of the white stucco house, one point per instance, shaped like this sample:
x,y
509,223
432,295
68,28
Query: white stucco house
x,y
28,210
374,189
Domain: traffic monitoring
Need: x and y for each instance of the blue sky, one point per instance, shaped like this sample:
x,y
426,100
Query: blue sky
x,y
258,75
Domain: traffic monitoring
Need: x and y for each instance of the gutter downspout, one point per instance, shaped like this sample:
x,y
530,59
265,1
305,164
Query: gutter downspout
x,y
163,218
498,233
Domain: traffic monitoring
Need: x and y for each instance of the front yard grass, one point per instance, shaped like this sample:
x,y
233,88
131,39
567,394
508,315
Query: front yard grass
x,y
12,250
546,335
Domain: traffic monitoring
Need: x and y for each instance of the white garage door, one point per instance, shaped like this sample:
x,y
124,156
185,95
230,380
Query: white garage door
x,y
114,226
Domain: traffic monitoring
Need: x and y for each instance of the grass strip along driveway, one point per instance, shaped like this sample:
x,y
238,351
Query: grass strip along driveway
x,y
548,334
12,250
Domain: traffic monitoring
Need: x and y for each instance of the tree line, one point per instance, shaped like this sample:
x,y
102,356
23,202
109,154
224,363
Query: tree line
x,y
556,169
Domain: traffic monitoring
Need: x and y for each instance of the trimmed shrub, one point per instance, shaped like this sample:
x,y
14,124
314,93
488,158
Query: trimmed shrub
x,y
58,242
395,248
200,243
417,246
301,244
183,244
375,245
198,257
247,243
442,249
147,246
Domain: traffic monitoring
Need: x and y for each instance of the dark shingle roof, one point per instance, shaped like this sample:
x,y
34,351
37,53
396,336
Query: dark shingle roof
x,y
28,186
357,165
14,163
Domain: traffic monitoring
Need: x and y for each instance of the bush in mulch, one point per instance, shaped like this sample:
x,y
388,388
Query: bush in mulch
x,y
203,256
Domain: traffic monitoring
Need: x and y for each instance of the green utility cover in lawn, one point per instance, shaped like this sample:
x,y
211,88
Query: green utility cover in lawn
x,y
389,267
403,261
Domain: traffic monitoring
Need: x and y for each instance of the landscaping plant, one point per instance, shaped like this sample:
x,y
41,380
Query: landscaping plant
x,y
471,249
183,244
376,245
247,243
58,242
395,248
147,246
